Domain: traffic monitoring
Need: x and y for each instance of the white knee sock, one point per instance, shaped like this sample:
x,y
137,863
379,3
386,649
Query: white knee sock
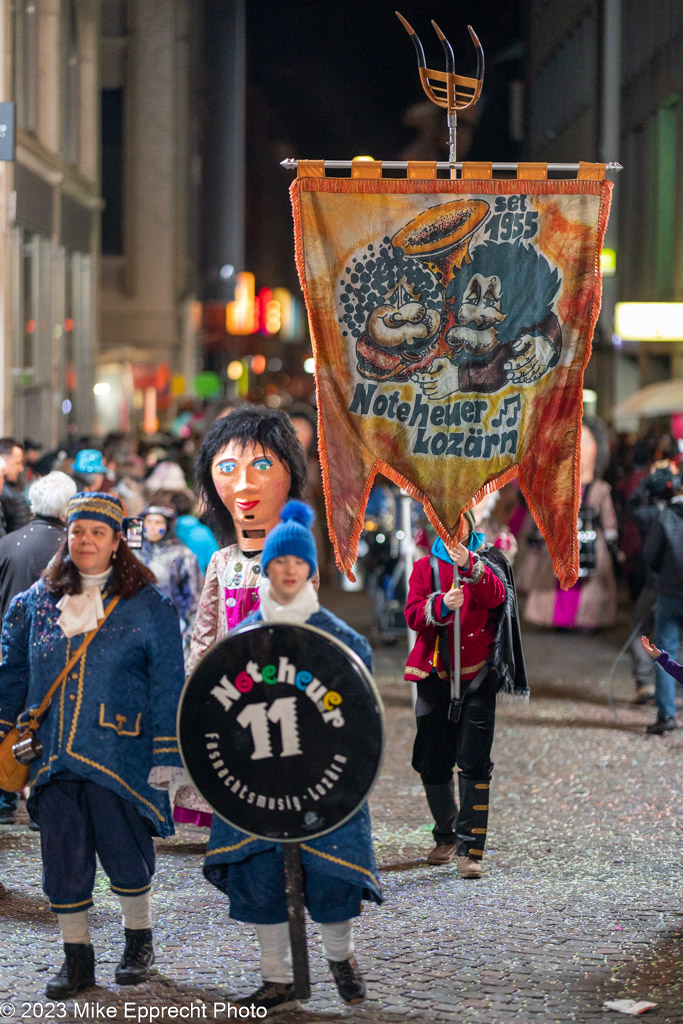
x,y
137,911
74,927
338,940
276,952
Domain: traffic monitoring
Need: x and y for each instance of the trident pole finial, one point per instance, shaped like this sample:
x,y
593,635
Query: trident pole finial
x,y
445,88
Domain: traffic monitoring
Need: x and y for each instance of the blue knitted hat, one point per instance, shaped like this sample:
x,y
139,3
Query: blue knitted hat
x,y
292,536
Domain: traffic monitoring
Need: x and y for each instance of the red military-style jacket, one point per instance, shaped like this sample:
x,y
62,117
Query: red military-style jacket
x,y
426,612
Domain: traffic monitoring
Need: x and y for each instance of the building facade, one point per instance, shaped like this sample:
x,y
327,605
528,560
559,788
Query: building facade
x,y
605,83
151,129
50,205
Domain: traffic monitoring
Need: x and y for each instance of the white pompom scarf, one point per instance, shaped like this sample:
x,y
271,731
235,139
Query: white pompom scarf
x,y
298,610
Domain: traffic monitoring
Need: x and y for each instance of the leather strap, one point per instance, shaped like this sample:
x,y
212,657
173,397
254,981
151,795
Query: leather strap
x,y
37,714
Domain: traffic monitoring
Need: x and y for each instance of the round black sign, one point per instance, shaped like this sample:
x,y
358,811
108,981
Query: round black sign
x,y
281,731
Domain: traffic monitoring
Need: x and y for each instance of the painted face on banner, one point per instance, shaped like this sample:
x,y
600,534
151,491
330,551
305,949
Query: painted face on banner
x,y
478,315
253,484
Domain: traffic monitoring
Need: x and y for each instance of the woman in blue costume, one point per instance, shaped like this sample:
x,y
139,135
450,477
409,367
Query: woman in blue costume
x,y
339,868
109,734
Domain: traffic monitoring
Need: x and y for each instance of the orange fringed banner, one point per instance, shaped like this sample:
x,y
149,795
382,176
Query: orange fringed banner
x,y
451,324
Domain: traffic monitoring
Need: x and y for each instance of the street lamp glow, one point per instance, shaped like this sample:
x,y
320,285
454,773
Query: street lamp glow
x,y
309,365
608,262
102,388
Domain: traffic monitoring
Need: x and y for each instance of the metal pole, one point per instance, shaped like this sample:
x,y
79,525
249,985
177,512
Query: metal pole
x,y
455,666
452,133
407,551
294,888
442,165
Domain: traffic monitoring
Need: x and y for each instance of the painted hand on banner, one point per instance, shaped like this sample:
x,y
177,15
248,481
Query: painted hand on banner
x,y
533,356
439,379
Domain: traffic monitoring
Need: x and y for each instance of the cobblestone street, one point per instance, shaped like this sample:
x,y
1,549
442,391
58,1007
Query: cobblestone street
x,y
580,900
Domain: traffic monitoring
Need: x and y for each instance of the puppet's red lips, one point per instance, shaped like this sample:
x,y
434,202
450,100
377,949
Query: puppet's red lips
x,y
246,506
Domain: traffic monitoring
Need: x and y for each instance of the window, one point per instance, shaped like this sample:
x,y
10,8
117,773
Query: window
x,y
71,85
26,63
666,129
112,171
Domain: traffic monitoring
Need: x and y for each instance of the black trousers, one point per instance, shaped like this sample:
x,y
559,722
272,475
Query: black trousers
x,y
441,745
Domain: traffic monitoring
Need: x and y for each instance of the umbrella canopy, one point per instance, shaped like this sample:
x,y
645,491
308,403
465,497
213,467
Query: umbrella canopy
x,y
661,399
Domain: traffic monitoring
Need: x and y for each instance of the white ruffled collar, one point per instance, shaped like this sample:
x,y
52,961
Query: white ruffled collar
x,y
81,612
298,610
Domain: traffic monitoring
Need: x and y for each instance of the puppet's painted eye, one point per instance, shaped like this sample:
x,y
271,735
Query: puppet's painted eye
x,y
262,464
226,466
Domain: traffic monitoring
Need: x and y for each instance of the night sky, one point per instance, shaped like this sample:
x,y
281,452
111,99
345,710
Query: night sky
x,y
338,75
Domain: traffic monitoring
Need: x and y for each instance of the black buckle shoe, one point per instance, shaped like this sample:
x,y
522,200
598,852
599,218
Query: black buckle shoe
x,y
138,957
77,972
349,980
272,996
661,725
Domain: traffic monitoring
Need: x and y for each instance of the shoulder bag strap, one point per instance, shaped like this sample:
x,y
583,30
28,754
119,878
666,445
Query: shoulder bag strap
x,y
45,703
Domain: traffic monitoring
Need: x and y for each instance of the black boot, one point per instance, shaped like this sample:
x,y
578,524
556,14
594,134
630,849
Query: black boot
x,y
441,800
473,818
77,973
138,957
444,810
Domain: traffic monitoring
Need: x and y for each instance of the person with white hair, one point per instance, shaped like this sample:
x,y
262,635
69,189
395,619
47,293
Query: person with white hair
x,y
26,552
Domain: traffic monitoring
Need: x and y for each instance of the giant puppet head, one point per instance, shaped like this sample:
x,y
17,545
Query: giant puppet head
x,y
249,464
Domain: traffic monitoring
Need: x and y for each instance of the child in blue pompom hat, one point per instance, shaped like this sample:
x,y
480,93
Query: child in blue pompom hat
x,y
334,886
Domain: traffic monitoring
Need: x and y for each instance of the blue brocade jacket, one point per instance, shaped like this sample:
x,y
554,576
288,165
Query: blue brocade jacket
x,y
113,718
346,852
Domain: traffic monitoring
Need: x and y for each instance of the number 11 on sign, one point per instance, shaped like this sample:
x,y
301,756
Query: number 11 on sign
x,y
281,712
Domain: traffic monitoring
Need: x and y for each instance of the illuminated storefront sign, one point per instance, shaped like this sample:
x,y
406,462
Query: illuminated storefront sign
x,y
649,321
267,312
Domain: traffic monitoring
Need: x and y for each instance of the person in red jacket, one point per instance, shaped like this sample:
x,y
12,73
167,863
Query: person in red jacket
x,y
491,663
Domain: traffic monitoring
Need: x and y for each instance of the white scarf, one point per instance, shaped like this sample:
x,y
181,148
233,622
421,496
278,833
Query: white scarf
x,y
81,612
298,610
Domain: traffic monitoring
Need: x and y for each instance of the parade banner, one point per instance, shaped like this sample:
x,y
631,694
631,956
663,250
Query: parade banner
x,y
451,323
281,731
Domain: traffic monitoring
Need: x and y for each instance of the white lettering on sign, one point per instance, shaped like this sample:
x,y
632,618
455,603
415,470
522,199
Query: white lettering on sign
x,y
281,712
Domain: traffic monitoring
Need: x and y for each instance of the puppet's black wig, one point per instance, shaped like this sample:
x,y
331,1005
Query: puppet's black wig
x,y
251,424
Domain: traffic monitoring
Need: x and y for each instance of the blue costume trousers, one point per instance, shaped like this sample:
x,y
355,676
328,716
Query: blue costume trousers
x,y
258,896
80,821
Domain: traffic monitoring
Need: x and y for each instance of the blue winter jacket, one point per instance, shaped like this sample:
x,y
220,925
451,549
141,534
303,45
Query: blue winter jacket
x,y
114,717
